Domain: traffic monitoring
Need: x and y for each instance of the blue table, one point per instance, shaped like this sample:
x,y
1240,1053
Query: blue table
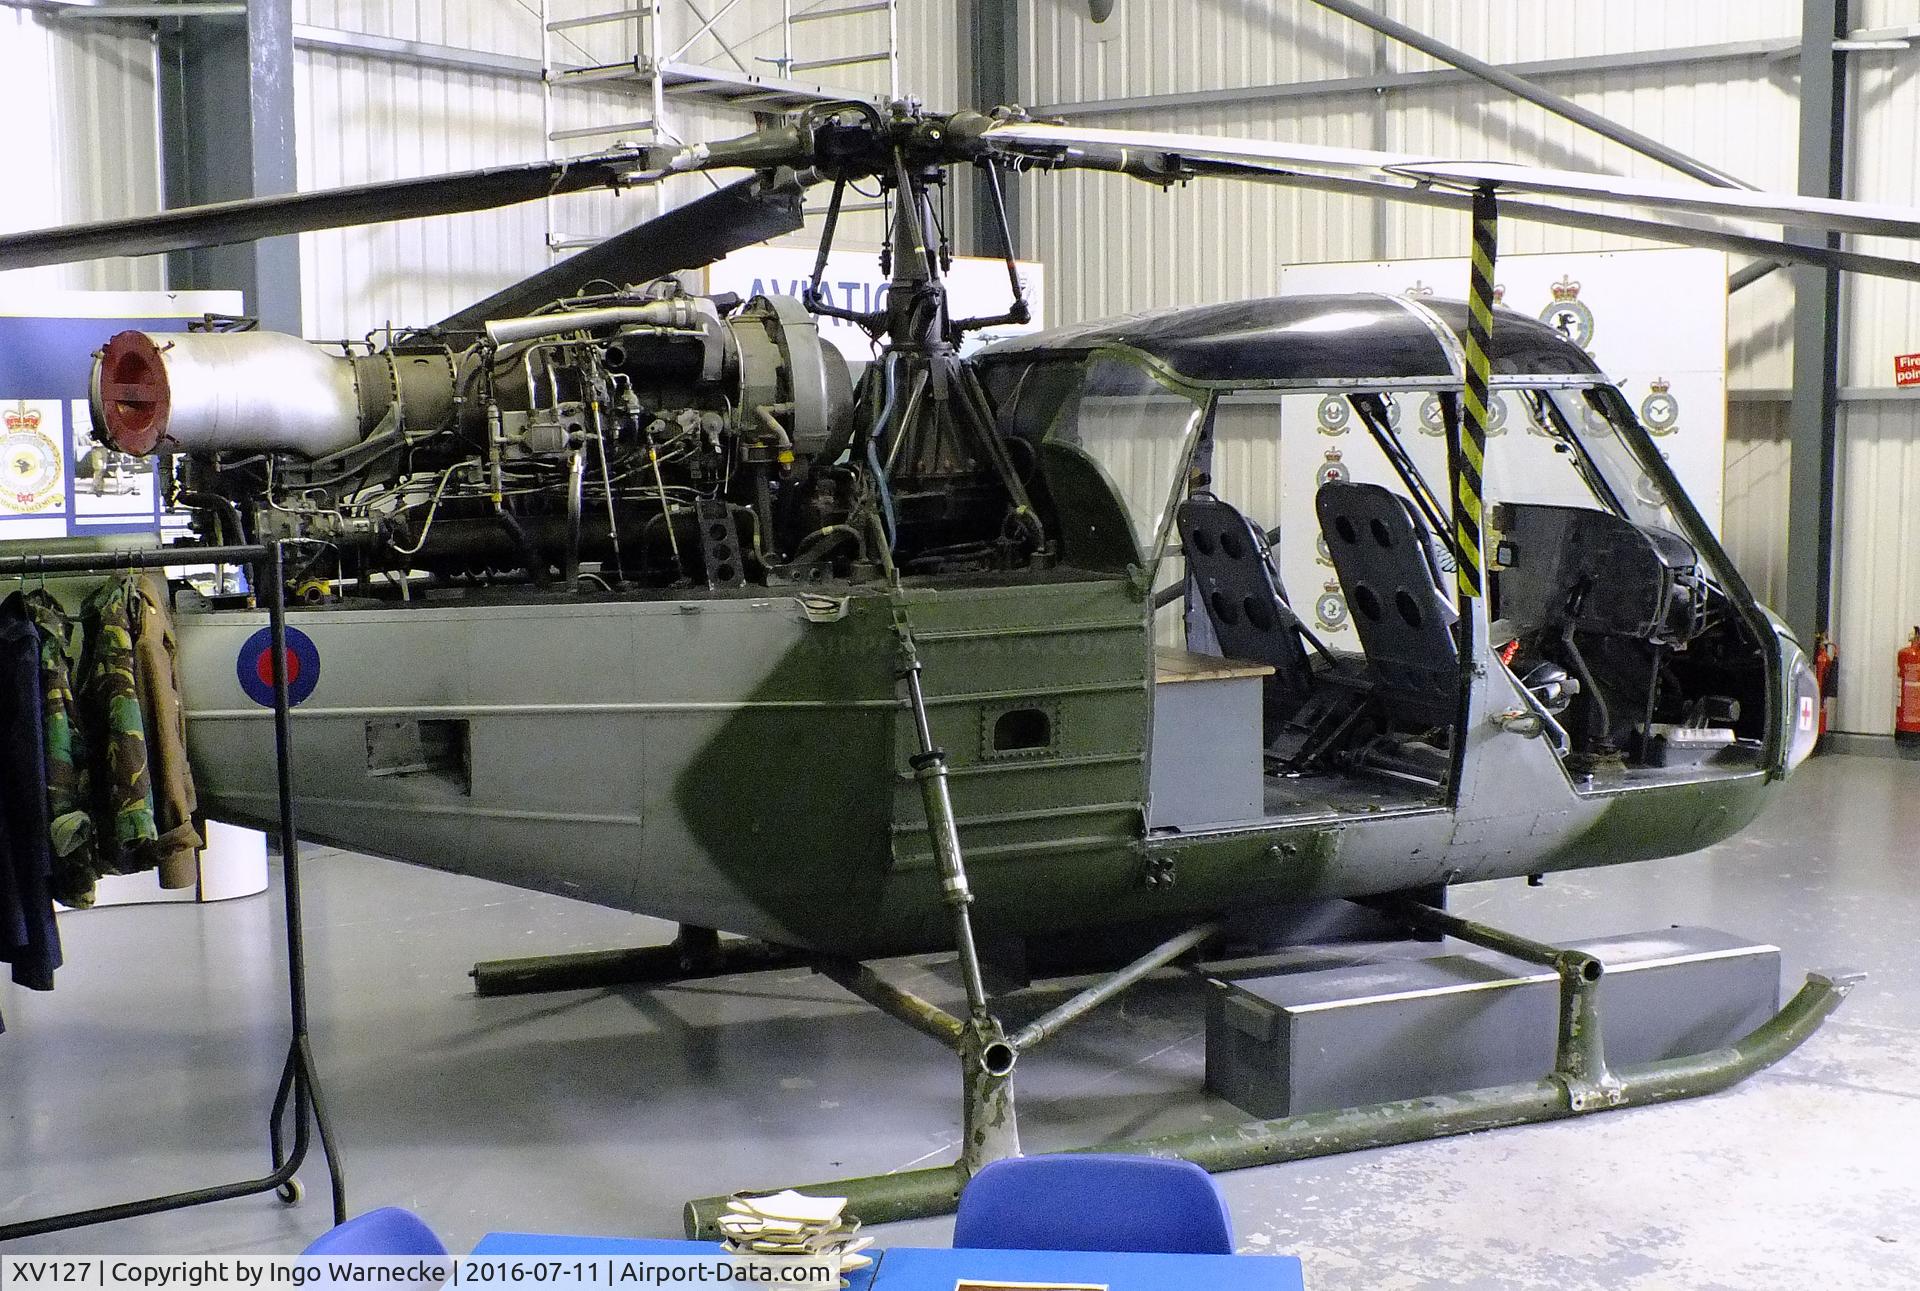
x,y
909,1268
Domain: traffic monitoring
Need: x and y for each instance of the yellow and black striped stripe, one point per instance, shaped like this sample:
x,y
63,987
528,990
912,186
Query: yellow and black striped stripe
x,y
1470,453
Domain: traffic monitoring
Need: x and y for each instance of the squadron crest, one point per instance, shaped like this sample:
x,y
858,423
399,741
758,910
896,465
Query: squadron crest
x,y
1660,410
1330,608
30,464
1568,315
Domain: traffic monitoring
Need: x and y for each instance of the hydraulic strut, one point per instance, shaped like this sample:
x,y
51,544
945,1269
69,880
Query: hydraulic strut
x,y
986,1059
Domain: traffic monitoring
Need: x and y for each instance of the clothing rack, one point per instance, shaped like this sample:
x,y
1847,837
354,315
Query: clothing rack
x,y
299,1082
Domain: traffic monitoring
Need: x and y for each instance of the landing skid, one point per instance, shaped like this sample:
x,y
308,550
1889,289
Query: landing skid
x,y
1581,1083
693,954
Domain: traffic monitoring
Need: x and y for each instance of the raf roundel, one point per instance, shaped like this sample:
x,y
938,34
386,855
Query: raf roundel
x,y
254,667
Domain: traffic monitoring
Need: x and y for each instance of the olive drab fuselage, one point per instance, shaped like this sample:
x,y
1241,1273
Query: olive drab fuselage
x,y
738,758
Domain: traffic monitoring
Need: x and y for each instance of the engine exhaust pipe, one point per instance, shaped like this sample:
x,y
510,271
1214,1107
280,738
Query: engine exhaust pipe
x,y
210,392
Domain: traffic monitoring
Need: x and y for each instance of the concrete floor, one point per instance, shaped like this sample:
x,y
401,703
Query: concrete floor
x,y
150,1068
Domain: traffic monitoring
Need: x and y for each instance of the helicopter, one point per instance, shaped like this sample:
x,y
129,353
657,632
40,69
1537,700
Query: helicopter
x,y
634,595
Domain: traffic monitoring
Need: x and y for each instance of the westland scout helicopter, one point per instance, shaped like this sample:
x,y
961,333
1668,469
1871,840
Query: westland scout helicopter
x,y
632,595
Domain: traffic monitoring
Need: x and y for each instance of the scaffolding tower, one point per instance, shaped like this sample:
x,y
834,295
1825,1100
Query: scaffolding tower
x,y
653,70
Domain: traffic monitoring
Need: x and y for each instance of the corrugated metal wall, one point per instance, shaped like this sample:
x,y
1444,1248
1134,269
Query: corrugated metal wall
x,y
1877,533
81,141
1752,528
1876,594
363,119
1883,318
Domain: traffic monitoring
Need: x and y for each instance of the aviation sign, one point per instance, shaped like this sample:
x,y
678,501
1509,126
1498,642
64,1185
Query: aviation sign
x,y
976,288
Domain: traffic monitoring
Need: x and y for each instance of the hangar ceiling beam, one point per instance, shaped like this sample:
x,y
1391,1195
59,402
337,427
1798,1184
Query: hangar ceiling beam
x,y
421,53
229,8
227,131
1559,105
1813,416
1520,87
1377,80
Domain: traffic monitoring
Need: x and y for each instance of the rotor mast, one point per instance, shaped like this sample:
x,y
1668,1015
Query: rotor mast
x,y
929,445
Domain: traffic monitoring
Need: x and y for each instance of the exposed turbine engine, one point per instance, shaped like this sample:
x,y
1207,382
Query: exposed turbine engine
x,y
664,437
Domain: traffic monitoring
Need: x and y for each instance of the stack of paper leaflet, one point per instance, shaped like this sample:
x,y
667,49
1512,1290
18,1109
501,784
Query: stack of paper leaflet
x,y
794,1230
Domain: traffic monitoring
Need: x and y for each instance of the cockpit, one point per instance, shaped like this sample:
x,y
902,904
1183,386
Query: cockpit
x,y
1284,489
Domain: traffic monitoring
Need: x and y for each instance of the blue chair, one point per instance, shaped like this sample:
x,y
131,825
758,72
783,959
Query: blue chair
x,y
1094,1202
387,1231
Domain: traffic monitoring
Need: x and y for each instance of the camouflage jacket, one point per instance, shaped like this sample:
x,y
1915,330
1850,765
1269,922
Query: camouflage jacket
x,y
156,671
115,730
69,777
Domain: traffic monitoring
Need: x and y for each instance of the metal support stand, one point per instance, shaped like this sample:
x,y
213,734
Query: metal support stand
x,y
693,954
299,1086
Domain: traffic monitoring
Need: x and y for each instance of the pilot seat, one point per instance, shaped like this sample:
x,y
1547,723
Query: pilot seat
x,y
1396,590
1232,569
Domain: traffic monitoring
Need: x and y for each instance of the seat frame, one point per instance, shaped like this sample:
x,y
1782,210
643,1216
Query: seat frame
x,y
1396,595
1230,565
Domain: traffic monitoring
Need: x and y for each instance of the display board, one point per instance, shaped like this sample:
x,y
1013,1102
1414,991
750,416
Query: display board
x,y
977,287
55,481
1655,322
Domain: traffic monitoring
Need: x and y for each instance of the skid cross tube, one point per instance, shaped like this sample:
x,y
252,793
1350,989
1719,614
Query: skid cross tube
x,y
916,1194
299,1086
986,1060
1580,1056
1107,987
898,1003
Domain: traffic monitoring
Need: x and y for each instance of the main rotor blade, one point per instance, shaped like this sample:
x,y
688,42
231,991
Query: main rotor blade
x,y
1593,221
249,218
1142,147
1159,155
747,211
1824,213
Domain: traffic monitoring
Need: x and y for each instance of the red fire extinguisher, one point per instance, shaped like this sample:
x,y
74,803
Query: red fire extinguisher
x,y
1906,713
1826,674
